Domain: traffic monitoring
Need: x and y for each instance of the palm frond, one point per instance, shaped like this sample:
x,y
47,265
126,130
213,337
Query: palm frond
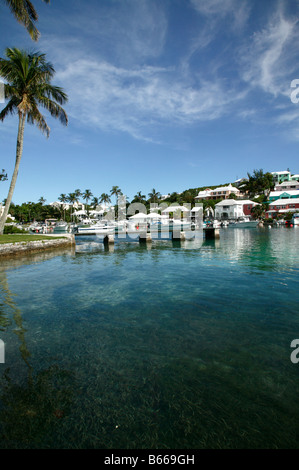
x,y
25,13
10,108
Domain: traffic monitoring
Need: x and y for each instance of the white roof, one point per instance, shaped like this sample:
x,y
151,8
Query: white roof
x,y
226,188
291,192
287,183
283,202
235,202
280,172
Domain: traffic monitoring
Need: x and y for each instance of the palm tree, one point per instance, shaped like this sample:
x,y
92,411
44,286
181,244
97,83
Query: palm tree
x,y
25,13
95,202
115,191
71,198
42,200
77,194
139,197
63,198
105,198
86,196
154,195
28,77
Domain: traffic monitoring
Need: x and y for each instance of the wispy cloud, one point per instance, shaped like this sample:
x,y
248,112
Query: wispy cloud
x,y
139,100
216,10
269,59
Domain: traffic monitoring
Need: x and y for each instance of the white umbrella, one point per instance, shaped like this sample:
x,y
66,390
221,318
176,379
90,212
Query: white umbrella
x,y
175,208
154,215
140,215
81,212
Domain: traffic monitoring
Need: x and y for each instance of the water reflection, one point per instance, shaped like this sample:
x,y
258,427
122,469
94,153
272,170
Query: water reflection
x,y
31,404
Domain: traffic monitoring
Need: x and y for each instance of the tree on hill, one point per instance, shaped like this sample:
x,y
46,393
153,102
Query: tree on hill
x,y
259,183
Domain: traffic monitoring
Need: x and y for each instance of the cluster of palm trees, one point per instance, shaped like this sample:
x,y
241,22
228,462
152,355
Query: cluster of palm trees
x,y
104,198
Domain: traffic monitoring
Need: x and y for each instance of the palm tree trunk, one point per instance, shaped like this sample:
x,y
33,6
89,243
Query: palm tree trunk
x,y
19,151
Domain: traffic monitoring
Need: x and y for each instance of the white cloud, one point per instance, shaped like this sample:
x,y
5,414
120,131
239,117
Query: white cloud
x,y
269,59
218,9
138,100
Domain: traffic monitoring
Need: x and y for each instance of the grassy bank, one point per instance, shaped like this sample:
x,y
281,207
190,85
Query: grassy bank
x,y
17,238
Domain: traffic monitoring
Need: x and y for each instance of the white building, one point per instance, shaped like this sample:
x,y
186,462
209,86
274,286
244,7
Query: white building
x,y
233,209
223,192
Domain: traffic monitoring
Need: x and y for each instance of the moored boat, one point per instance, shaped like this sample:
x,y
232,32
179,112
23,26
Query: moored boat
x,y
295,219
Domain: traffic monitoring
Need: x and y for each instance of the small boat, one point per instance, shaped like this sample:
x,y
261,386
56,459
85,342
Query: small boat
x,y
244,223
295,219
37,228
97,228
61,227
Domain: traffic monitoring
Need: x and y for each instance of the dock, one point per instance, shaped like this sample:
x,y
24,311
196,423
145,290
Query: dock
x,y
209,233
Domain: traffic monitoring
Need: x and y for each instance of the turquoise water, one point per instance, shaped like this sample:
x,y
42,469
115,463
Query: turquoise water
x,y
169,345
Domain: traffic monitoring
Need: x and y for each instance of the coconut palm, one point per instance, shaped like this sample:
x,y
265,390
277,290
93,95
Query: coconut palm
x,y
25,13
115,191
28,85
63,198
105,198
95,202
42,200
86,196
71,198
78,194
139,197
154,195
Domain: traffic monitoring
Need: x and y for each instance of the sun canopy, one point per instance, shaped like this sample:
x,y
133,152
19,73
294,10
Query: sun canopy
x,y
175,208
140,215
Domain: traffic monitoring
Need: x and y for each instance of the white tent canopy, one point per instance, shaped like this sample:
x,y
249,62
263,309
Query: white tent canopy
x,y
81,212
139,216
174,209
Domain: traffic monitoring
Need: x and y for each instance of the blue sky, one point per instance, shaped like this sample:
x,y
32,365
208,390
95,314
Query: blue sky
x,y
164,94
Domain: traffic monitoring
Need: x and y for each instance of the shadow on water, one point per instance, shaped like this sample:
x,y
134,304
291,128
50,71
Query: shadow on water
x,y
31,404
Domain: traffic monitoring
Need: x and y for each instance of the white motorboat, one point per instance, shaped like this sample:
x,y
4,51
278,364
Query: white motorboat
x,y
97,228
244,223
37,228
295,219
61,227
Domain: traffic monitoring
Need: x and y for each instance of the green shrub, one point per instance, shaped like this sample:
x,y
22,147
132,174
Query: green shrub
x,y
12,229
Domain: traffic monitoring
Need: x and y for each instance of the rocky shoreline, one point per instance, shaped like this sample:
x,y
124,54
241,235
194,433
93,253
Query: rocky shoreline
x,y
9,249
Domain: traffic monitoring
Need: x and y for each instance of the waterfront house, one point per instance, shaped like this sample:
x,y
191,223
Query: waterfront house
x,y
289,194
280,176
222,192
234,209
281,206
287,186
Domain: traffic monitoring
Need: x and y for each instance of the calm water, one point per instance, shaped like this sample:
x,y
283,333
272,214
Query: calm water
x,y
163,346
